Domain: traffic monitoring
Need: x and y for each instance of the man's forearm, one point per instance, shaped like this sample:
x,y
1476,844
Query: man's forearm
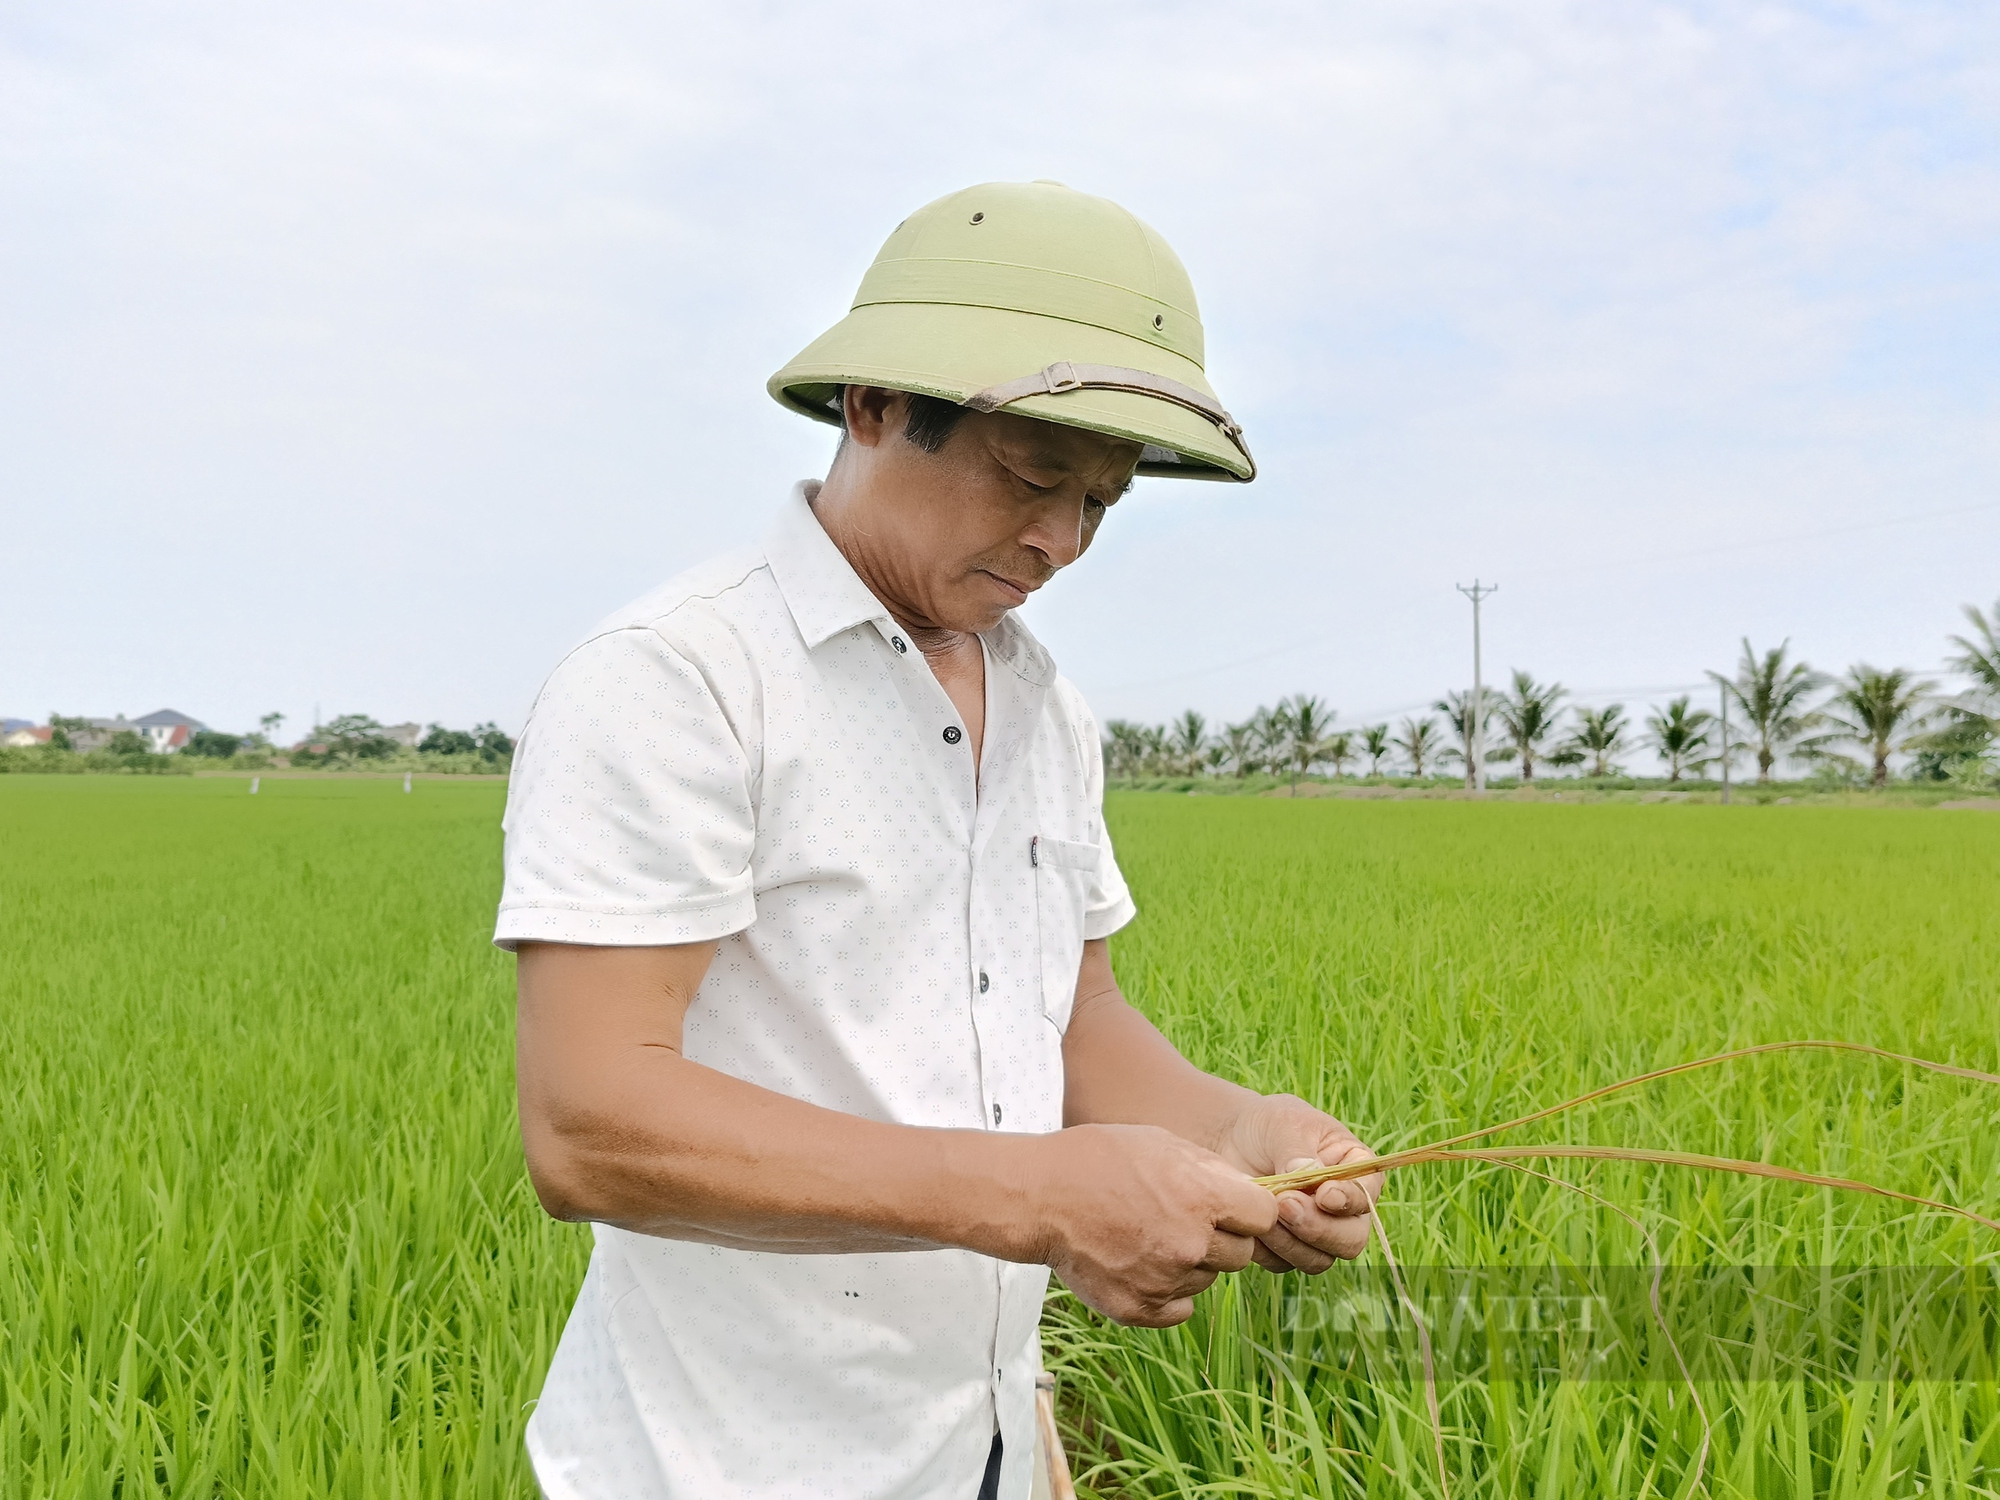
x,y
621,1128
1118,1069
668,1147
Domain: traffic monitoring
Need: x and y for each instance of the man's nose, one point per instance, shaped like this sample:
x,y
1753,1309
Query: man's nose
x,y
1058,532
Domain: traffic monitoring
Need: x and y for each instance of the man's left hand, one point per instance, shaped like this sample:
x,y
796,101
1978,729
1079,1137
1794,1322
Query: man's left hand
x,y
1280,1133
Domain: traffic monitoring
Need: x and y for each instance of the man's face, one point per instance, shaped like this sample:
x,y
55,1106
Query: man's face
x,y
963,535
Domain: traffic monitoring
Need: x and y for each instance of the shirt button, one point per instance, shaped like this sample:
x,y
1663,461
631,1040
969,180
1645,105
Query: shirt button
x,y
996,1113
898,642
982,981
953,734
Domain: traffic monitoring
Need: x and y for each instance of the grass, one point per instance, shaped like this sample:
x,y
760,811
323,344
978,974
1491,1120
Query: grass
x,y
1424,968
263,1224
264,1229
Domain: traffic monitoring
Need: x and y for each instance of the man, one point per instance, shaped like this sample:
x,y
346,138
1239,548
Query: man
x,y
807,871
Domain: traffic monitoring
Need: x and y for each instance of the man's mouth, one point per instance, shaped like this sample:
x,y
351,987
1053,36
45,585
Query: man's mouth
x,y
1017,592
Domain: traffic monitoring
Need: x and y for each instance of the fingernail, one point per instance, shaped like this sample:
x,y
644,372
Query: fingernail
x,y
1289,1210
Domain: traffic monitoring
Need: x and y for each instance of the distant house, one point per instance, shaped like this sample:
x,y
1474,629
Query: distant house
x,y
164,731
8,726
167,729
27,736
405,735
96,733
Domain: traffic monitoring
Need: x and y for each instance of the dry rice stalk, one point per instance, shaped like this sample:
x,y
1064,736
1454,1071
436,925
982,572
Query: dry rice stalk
x,y
1424,1345
1444,1151
1659,1269
1511,1156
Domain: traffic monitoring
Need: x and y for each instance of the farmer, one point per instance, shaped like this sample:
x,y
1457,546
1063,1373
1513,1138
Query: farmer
x,y
807,870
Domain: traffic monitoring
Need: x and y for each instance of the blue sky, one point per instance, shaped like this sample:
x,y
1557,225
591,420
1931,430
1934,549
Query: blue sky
x,y
362,356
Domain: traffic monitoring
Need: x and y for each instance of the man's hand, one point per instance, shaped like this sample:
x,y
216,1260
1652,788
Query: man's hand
x,y
1279,1133
1140,1220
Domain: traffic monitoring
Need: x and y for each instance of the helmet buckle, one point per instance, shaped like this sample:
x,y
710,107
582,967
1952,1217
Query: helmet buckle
x,y
1061,376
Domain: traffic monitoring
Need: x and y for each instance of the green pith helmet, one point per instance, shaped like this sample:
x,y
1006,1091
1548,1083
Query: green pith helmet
x,y
1042,300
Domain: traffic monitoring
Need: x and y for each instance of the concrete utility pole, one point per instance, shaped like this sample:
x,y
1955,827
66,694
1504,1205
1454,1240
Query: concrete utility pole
x,y
1475,737
1723,689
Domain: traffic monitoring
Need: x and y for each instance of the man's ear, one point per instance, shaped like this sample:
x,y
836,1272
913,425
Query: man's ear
x,y
873,413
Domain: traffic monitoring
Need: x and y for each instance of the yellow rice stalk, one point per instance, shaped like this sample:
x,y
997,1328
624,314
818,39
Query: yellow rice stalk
x,y
1512,1156
1450,1150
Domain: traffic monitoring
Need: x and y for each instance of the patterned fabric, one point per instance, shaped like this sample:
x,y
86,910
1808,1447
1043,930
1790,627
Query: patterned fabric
x,y
755,754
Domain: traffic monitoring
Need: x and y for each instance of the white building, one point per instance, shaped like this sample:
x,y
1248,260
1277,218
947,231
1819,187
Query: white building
x,y
167,729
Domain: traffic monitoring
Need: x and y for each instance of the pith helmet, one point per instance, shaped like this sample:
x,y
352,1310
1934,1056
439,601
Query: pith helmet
x,y
1035,298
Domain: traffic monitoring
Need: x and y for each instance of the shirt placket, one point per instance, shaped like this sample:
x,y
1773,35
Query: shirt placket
x,y
1000,991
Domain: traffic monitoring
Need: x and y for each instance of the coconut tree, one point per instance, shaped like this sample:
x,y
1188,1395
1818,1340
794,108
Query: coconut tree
x,y
1978,657
1680,735
1772,693
1187,739
1375,744
1960,744
1338,750
1418,741
1305,723
1273,733
1238,744
1123,746
1599,735
1527,712
1457,711
1881,711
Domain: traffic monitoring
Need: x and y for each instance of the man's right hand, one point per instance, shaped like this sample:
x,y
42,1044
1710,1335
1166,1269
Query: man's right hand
x,y
1138,1220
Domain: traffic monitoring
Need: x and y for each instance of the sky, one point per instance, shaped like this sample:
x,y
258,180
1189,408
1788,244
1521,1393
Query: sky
x,y
358,358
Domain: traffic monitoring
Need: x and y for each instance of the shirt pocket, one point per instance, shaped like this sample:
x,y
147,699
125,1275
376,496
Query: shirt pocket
x,y
1063,869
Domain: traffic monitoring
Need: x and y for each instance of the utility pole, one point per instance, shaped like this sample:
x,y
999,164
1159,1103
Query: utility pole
x,y
1475,736
1723,689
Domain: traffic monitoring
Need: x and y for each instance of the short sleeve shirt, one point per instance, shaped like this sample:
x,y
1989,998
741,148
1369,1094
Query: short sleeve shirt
x,y
755,754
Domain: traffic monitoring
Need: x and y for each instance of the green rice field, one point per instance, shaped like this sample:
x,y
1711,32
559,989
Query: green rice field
x,y
264,1228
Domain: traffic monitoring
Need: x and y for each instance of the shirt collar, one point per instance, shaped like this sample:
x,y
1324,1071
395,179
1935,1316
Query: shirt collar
x,y
821,588
826,595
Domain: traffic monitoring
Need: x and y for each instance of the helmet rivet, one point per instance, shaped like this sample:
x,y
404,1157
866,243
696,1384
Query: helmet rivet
x,y
978,218
1159,320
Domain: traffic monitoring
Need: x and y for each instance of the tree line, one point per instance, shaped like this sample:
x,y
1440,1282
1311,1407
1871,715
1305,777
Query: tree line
x,y
349,742
1850,726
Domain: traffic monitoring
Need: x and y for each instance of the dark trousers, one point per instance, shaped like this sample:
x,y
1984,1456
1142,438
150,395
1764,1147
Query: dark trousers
x,y
989,1487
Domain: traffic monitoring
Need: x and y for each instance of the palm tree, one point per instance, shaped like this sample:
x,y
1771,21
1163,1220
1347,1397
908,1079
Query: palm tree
x,y
1528,713
1457,711
1122,747
1338,748
1306,722
1772,694
1186,741
1879,711
1960,746
1680,735
1978,657
1239,744
1272,728
1418,742
1600,734
1375,743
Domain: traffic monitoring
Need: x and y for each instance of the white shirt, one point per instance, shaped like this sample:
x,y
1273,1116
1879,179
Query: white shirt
x,y
754,753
